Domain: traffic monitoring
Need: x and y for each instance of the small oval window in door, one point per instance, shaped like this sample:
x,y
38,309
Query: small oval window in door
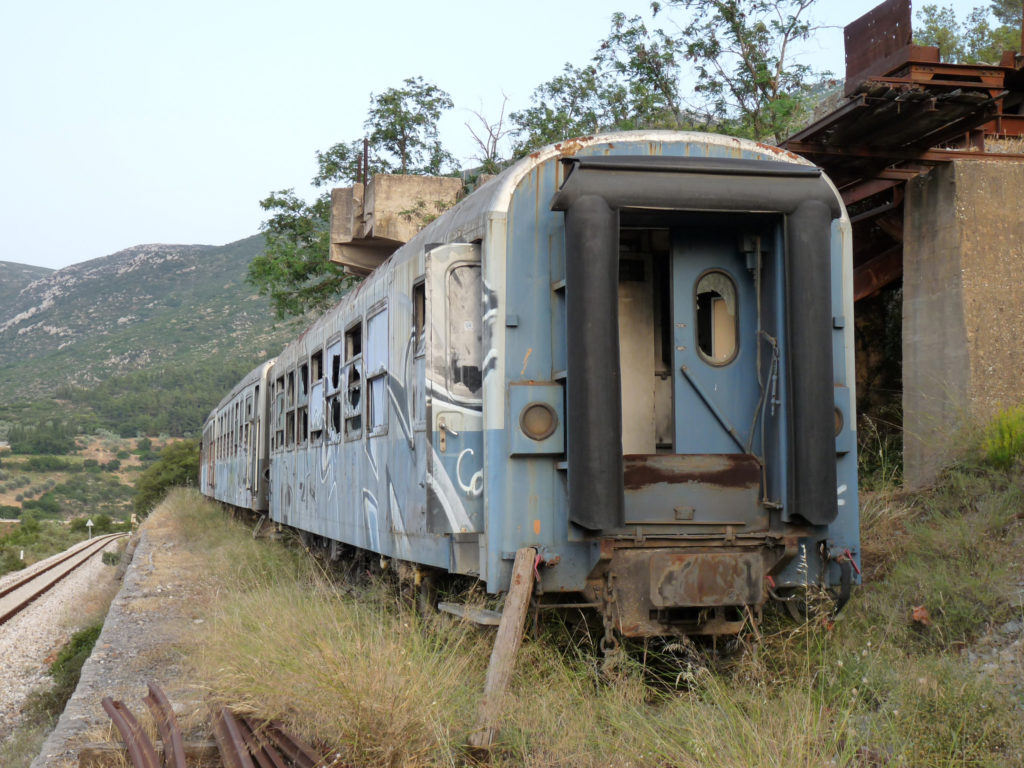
x,y
716,318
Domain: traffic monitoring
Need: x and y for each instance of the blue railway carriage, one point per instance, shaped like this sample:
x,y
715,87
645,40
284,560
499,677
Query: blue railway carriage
x,y
233,466
631,351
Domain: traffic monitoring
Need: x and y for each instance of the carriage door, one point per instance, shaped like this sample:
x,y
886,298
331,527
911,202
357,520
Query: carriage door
x,y
714,322
454,379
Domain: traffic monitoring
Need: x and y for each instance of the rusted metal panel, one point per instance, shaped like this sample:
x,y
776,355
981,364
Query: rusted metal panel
x,y
694,489
707,579
877,41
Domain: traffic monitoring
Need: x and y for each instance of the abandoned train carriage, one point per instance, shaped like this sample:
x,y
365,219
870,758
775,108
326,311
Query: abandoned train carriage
x,y
631,351
233,468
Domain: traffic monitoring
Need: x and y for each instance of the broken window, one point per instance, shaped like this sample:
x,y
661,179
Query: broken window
x,y
279,414
352,381
334,390
465,340
377,372
316,363
316,397
419,316
715,326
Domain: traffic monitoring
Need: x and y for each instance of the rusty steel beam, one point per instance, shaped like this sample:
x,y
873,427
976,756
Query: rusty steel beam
x,y
897,155
877,272
140,748
167,725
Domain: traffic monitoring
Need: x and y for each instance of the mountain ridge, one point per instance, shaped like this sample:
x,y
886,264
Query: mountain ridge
x,y
164,306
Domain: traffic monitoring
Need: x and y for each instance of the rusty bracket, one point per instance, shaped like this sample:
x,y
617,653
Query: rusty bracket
x,y
167,725
140,748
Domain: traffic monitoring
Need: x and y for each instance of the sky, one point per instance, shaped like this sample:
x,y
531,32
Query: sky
x,y
123,123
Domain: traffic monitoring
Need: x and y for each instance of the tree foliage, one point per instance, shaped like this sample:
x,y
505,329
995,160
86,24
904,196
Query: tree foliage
x,y
974,40
748,83
178,465
53,436
294,270
741,55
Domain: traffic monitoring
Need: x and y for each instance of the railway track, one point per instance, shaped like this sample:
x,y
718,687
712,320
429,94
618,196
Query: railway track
x,y
17,595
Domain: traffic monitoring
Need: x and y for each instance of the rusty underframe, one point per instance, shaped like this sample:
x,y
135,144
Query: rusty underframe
x,y
712,586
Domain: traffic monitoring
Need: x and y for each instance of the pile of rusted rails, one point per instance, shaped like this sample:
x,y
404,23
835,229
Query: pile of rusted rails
x,y
241,741
16,596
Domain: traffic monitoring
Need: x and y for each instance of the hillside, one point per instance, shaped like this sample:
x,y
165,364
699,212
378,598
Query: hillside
x,y
142,316
15,277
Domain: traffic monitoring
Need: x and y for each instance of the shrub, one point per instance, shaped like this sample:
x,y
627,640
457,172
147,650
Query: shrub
x,y
47,464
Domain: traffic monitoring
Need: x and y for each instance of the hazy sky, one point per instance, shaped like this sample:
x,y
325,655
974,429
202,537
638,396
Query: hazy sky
x,y
143,122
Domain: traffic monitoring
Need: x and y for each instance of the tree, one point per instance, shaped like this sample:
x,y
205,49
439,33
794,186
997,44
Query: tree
x,y
402,125
570,104
487,137
294,270
178,465
742,52
644,71
976,39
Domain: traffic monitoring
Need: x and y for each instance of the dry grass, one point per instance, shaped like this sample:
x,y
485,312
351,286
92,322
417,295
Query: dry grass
x,y
358,670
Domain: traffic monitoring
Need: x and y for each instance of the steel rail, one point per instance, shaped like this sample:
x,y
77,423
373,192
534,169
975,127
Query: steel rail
x,y
67,555
140,748
167,725
260,749
297,751
83,553
228,734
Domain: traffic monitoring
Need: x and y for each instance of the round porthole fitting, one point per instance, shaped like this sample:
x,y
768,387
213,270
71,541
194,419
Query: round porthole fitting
x,y
839,421
538,421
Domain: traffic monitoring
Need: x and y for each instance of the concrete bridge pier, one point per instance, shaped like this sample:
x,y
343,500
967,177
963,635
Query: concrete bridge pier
x,y
963,306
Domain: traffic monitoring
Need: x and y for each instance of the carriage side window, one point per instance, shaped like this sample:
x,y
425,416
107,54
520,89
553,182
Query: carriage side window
x,y
419,317
352,381
316,363
334,390
316,397
247,425
715,325
377,372
465,339
279,414
302,412
289,422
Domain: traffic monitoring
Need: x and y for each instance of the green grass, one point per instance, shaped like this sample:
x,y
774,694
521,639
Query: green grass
x,y
1003,441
